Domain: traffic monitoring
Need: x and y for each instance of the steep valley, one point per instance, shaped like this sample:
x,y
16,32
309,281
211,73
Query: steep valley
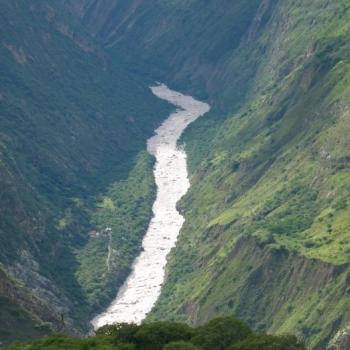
x,y
268,163
266,235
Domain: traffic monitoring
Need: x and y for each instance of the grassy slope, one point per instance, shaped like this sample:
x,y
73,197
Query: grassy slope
x,y
68,116
276,170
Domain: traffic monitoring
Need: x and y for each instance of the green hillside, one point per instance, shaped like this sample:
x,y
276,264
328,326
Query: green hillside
x,y
267,226
72,124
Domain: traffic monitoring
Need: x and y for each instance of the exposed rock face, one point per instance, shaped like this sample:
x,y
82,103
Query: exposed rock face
x,y
271,287
18,53
30,302
341,341
27,270
79,8
104,18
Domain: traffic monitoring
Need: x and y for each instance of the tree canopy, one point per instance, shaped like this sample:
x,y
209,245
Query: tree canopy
x,y
226,333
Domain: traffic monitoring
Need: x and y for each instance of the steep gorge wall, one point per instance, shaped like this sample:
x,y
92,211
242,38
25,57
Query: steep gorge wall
x,y
68,114
275,289
271,287
185,43
22,308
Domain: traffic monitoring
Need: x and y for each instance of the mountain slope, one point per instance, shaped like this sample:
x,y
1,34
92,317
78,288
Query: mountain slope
x,y
267,217
268,208
182,42
277,171
72,123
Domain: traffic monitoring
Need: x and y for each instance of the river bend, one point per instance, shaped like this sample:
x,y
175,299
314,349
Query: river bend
x,y
142,288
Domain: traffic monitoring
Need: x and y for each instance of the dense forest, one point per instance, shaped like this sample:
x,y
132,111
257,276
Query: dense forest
x,y
219,334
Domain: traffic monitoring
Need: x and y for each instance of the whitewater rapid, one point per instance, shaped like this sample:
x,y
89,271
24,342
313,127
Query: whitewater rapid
x,y
141,290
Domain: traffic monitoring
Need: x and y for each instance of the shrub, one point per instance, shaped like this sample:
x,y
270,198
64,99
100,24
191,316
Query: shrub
x,y
153,336
220,333
119,333
180,345
269,342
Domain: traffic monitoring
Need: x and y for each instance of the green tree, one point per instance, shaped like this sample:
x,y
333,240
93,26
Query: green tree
x,y
220,333
119,333
153,336
269,342
180,345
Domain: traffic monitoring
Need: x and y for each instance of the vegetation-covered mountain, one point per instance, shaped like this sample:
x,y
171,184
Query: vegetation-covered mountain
x,y
267,217
72,125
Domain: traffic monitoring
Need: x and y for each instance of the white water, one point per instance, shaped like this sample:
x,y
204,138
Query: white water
x,y
142,288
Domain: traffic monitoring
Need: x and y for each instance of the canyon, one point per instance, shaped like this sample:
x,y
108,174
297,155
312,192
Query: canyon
x,y
265,232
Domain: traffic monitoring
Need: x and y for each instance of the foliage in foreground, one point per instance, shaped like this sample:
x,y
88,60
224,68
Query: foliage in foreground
x,y
219,334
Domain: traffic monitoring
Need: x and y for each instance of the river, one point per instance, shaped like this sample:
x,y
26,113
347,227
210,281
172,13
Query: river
x,y
142,288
